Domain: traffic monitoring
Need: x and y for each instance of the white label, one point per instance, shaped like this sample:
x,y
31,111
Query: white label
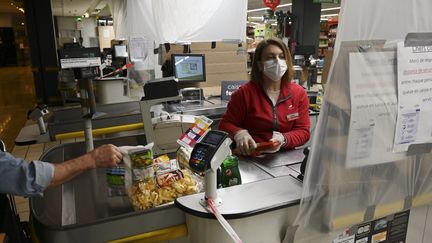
x,y
80,62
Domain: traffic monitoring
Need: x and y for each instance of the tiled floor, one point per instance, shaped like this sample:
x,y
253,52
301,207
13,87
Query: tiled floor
x,y
17,96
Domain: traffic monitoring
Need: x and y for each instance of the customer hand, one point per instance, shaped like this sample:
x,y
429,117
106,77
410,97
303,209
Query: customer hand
x,y
106,155
245,143
276,138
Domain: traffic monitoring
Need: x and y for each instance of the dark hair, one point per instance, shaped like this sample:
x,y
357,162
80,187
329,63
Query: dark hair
x,y
256,75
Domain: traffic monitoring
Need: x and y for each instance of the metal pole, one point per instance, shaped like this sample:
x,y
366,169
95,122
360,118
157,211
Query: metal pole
x,y
88,134
41,125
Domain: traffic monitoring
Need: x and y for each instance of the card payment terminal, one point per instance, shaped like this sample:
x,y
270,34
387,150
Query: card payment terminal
x,y
207,156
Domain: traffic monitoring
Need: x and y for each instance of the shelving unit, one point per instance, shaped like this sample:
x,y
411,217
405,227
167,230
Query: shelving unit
x,y
328,31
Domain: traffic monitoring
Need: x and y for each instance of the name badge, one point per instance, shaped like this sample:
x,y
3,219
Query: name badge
x,y
293,116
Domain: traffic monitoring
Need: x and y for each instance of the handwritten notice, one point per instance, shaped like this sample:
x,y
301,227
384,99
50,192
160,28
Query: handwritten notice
x,y
415,96
373,109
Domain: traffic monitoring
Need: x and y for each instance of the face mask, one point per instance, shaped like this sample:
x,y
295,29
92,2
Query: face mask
x,y
274,69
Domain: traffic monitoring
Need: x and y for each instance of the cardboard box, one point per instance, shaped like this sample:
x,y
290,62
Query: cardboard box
x,y
106,34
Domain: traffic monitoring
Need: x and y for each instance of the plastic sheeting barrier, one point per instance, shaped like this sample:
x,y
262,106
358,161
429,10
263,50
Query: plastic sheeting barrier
x,y
352,173
181,21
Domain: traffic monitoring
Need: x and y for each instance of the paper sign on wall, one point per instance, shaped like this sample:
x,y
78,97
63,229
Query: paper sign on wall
x,y
414,96
141,50
373,109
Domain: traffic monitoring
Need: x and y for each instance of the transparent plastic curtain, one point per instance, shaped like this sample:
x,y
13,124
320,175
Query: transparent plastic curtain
x,y
180,21
119,14
346,181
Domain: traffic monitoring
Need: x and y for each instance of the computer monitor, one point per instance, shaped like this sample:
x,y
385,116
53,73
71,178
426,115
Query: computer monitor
x,y
120,51
189,67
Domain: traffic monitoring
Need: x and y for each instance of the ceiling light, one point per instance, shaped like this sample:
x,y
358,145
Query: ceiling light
x,y
257,18
262,9
21,9
11,4
86,15
329,15
250,22
22,23
329,9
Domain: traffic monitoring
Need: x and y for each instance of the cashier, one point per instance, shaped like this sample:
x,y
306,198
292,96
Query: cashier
x,y
269,107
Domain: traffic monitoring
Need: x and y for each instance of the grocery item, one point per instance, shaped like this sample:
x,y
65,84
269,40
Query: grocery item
x,y
229,172
152,182
116,181
163,164
148,194
141,160
168,178
183,157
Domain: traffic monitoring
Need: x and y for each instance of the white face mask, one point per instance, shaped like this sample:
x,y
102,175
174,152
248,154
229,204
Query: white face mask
x,y
274,69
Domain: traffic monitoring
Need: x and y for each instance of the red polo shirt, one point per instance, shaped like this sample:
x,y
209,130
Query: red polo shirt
x,y
250,108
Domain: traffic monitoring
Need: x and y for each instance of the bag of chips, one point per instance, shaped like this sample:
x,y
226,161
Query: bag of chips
x,y
153,182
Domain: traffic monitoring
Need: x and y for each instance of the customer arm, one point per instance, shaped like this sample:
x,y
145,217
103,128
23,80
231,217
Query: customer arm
x,y
103,156
300,132
30,179
21,178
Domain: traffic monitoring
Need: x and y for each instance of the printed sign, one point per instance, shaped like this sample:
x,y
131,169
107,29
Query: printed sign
x,y
373,109
392,228
414,96
229,87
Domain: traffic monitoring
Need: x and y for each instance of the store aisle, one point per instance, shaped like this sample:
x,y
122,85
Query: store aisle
x,y
17,96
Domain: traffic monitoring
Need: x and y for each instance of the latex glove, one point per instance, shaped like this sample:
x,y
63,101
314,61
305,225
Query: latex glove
x,y
245,143
277,137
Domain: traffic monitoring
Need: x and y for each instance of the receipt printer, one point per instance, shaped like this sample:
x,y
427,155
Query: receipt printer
x,y
192,94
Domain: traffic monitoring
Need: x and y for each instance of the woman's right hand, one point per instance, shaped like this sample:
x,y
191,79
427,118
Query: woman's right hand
x,y
244,142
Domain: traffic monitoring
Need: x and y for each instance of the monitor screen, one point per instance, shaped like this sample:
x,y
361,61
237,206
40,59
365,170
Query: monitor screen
x,y
189,67
120,51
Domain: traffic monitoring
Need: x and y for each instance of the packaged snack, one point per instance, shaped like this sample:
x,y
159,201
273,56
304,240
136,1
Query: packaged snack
x,y
168,178
116,181
150,184
163,164
141,160
183,157
141,157
148,194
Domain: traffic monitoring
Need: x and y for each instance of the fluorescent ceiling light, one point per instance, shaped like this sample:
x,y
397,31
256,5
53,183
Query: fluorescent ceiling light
x,y
330,9
329,15
249,22
262,9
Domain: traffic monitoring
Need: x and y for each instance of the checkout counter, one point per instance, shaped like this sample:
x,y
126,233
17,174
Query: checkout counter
x,y
82,211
